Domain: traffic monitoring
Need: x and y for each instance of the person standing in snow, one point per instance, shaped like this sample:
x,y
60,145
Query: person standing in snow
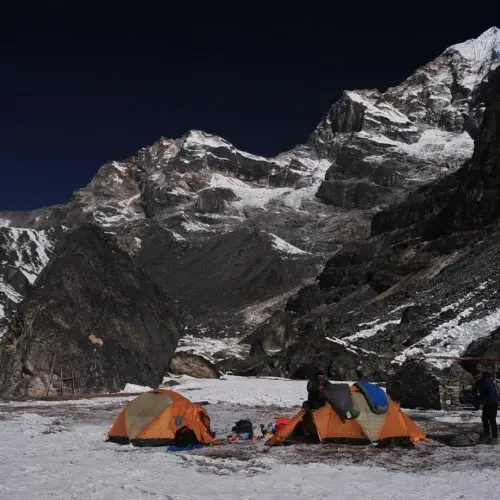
x,y
487,397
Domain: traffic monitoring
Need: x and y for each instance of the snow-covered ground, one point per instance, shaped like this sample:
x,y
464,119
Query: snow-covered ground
x,y
57,450
250,391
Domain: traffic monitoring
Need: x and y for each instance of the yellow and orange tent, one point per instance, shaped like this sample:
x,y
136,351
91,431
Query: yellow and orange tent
x,y
154,417
326,425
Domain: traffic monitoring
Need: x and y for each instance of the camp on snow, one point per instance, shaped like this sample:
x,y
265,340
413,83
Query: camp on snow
x,y
163,417
157,417
379,419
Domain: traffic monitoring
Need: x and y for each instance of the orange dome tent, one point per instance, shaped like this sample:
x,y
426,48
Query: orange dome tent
x,y
154,417
368,427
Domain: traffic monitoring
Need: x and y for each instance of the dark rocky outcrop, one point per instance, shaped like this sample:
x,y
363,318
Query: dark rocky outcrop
x,y
338,359
93,311
272,335
411,313
353,194
186,363
213,200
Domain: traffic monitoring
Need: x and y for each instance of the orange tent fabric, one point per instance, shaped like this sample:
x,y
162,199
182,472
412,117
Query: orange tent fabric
x,y
153,418
367,428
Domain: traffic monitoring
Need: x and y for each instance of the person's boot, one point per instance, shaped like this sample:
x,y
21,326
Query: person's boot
x,y
493,441
483,439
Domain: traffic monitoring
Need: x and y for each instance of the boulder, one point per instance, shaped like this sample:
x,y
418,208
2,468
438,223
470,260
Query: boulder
x,y
186,363
485,347
411,313
92,312
415,385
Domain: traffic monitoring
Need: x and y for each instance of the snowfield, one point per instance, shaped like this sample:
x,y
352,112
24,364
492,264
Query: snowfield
x,y
57,450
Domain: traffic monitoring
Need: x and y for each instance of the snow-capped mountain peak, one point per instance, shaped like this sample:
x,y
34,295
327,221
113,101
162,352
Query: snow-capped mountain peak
x,y
411,134
201,138
485,48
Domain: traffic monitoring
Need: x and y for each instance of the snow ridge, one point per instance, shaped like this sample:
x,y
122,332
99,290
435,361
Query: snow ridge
x,y
285,247
380,110
199,141
483,49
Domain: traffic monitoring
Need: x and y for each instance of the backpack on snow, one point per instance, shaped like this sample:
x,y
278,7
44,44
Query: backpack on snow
x,y
185,437
242,427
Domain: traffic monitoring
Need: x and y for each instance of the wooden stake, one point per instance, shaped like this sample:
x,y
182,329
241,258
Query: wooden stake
x,y
62,382
51,373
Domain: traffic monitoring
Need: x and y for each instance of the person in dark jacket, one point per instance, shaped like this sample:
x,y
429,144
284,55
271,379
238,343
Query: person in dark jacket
x,y
487,397
315,399
315,387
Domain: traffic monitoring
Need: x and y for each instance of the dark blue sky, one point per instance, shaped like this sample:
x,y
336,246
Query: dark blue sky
x,y
94,82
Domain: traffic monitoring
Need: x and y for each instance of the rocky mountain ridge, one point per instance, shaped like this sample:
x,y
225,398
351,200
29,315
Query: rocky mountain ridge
x,y
181,204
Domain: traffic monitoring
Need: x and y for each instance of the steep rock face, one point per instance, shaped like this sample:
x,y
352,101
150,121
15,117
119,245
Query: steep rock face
x,y
171,175
245,267
338,359
427,282
213,200
94,311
